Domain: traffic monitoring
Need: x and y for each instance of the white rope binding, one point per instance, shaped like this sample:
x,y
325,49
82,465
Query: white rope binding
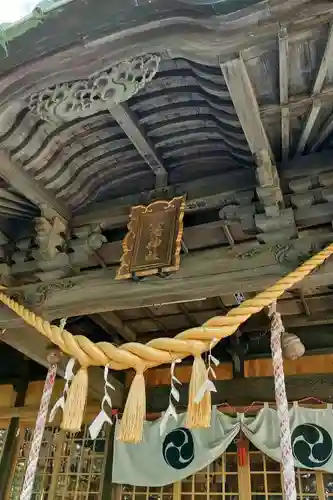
x,y
287,460
69,374
208,385
96,426
174,394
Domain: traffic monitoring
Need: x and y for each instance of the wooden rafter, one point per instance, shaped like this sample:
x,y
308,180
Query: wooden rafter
x,y
284,92
245,102
298,102
155,319
298,311
246,105
98,320
317,88
130,125
15,176
323,134
205,192
111,319
190,317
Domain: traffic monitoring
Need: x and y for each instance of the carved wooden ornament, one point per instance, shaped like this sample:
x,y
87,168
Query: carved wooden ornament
x,y
153,242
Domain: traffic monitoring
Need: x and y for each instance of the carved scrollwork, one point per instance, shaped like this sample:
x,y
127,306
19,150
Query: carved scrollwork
x,y
101,91
41,293
288,253
49,236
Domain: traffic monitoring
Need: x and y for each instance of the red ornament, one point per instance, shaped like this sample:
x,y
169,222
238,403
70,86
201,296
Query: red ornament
x,y
242,451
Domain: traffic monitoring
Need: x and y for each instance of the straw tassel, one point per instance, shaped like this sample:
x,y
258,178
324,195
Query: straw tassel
x,y
198,412
76,400
131,425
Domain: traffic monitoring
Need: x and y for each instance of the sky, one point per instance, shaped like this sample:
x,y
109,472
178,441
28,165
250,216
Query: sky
x,y
12,10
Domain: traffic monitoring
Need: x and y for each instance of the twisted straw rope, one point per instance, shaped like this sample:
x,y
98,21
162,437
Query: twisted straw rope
x,y
193,341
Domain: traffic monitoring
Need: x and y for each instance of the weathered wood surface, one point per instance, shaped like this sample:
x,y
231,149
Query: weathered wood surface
x,y
284,91
246,105
30,188
32,344
158,33
202,274
319,312
110,319
306,365
246,391
316,89
129,123
205,193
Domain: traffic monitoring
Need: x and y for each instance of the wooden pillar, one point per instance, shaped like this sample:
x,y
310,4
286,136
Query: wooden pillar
x,y
176,491
59,442
13,434
320,485
244,478
107,489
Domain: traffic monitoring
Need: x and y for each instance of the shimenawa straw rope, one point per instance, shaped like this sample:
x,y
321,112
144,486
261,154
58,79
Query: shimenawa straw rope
x,y
191,342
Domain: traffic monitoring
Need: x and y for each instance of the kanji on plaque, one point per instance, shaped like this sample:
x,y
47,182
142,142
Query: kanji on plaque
x,y
153,242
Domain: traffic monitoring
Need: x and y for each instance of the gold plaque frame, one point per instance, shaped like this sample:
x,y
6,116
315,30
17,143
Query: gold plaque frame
x,y
153,242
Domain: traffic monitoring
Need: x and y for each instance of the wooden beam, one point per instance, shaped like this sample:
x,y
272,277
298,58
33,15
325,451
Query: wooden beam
x,y
114,338
319,306
243,97
284,92
202,194
311,119
132,128
294,321
305,305
206,273
269,192
33,345
113,320
315,319
246,391
298,103
324,132
307,165
29,413
306,365
190,317
161,375
14,175
324,64
317,87
156,320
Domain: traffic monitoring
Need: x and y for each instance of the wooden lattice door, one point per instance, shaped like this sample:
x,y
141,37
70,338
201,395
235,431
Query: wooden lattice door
x,y
70,467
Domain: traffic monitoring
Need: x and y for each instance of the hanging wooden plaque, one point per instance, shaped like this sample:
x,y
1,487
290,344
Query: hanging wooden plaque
x,y
153,242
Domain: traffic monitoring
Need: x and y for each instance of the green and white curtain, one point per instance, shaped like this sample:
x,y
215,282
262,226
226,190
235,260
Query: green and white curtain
x,y
180,452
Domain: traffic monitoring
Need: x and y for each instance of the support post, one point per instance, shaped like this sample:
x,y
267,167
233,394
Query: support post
x,y
107,487
244,476
59,442
13,434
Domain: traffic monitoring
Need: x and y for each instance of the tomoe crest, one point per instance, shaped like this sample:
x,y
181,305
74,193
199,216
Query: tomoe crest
x,y
178,448
312,445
